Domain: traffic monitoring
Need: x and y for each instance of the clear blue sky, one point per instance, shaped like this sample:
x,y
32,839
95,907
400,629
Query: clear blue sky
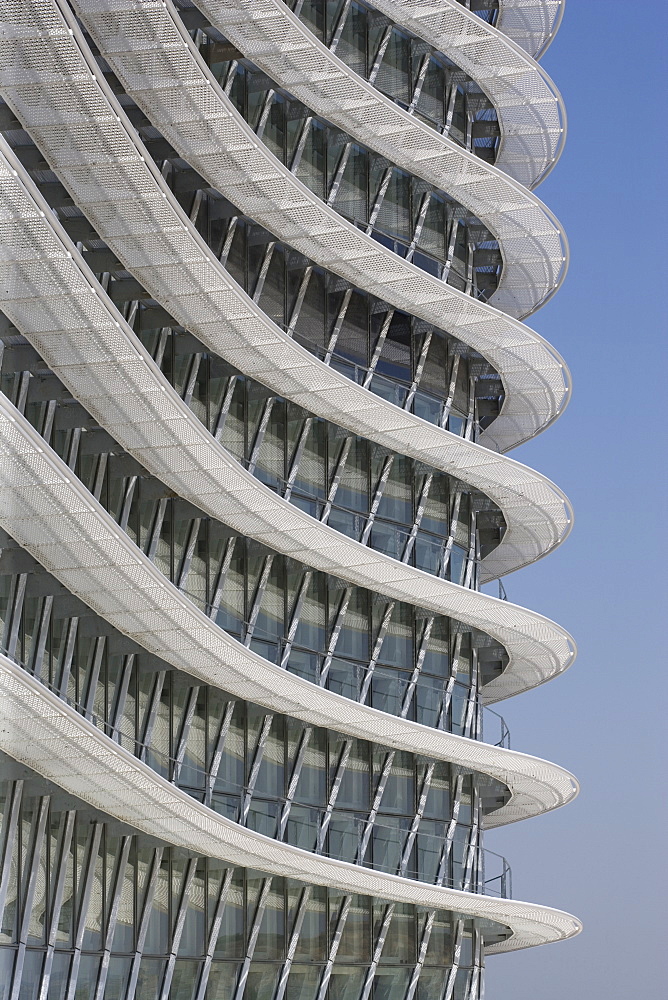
x,y
604,857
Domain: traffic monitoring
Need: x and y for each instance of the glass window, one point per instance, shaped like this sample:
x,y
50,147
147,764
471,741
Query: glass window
x,y
117,977
353,491
222,979
388,839
399,796
303,982
439,949
184,980
231,942
429,850
400,944
397,500
398,645
158,935
261,981
394,74
313,945
149,980
428,700
353,43
271,776
346,982
312,784
193,935
271,937
353,640
395,215
303,826
352,198
432,101
345,836
438,797
356,939
388,688
390,984
354,788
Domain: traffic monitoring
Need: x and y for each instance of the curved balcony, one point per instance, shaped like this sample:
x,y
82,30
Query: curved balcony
x,y
183,275
286,672
529,147
403,848
537,515
235,162
531,25
49,513
152,423
532,242
45,734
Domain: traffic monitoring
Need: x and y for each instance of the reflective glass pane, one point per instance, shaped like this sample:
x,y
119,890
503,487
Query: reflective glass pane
x,y
221,982
261,981
345,982
303,982
151,972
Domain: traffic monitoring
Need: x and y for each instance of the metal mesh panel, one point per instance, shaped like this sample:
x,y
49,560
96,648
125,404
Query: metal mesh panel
x,y
50,513
532,24
530,109
58,90
532,241
48,736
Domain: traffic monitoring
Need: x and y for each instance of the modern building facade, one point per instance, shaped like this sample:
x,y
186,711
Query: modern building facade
x,y
263,279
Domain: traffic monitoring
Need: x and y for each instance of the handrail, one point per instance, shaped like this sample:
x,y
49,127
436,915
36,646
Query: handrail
x,y
172,766
43,733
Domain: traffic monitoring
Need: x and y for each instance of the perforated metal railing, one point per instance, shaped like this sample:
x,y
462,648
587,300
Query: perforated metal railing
x,y
536,514
48,511
90,145
132,400
536,381
479,869
44,733
532,241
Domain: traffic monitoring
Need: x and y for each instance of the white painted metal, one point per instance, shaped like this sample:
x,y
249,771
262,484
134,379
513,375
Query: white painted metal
x,y
527,101
532,24
170,82
114,391
532,241
53,83
51,514
537,513
95,152
45,734
66,316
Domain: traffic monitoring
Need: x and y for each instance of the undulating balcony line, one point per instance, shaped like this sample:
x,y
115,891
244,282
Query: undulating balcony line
x,y
264,268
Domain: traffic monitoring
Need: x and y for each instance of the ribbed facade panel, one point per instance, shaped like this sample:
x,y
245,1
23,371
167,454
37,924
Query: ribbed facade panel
x,y
262,280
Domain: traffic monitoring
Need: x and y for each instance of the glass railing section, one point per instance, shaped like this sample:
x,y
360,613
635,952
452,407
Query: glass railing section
x,y
430,553
399,846
423,404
